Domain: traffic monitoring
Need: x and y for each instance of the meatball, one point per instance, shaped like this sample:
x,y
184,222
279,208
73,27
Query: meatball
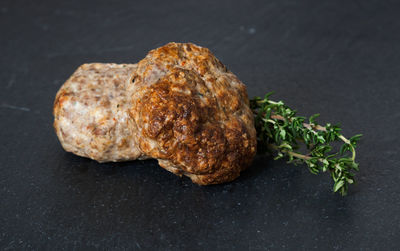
x,y
90,111
192,114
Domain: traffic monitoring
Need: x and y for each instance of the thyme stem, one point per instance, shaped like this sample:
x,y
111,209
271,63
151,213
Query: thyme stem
x,y
319,128
294,154
278,128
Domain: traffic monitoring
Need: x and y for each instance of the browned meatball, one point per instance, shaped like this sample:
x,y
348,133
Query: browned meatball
x,y
90,111
192,114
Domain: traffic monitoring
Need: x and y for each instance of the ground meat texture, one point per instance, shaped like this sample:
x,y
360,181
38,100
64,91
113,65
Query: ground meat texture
x,y
192,114
90,111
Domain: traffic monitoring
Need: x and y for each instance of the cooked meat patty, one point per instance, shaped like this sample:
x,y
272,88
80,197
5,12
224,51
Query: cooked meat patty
x,y
192,114
90,110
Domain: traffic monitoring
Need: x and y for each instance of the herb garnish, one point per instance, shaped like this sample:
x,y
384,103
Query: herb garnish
x,y
279,130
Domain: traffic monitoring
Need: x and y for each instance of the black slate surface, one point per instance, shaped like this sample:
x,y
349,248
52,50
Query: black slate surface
x,y
338,58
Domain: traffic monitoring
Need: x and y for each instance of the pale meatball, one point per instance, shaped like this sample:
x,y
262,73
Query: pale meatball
x,y
90,111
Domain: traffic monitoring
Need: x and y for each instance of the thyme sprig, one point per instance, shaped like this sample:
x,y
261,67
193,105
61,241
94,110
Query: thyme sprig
x,y
279,130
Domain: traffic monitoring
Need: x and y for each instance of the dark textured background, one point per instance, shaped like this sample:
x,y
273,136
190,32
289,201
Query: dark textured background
x,y
338,58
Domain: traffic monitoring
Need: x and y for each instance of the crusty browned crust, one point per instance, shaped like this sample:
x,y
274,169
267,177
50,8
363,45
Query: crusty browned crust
x,y
90,113
192,114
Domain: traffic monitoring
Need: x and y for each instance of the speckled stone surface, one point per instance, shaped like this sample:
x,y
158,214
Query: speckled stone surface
x,y
338,58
